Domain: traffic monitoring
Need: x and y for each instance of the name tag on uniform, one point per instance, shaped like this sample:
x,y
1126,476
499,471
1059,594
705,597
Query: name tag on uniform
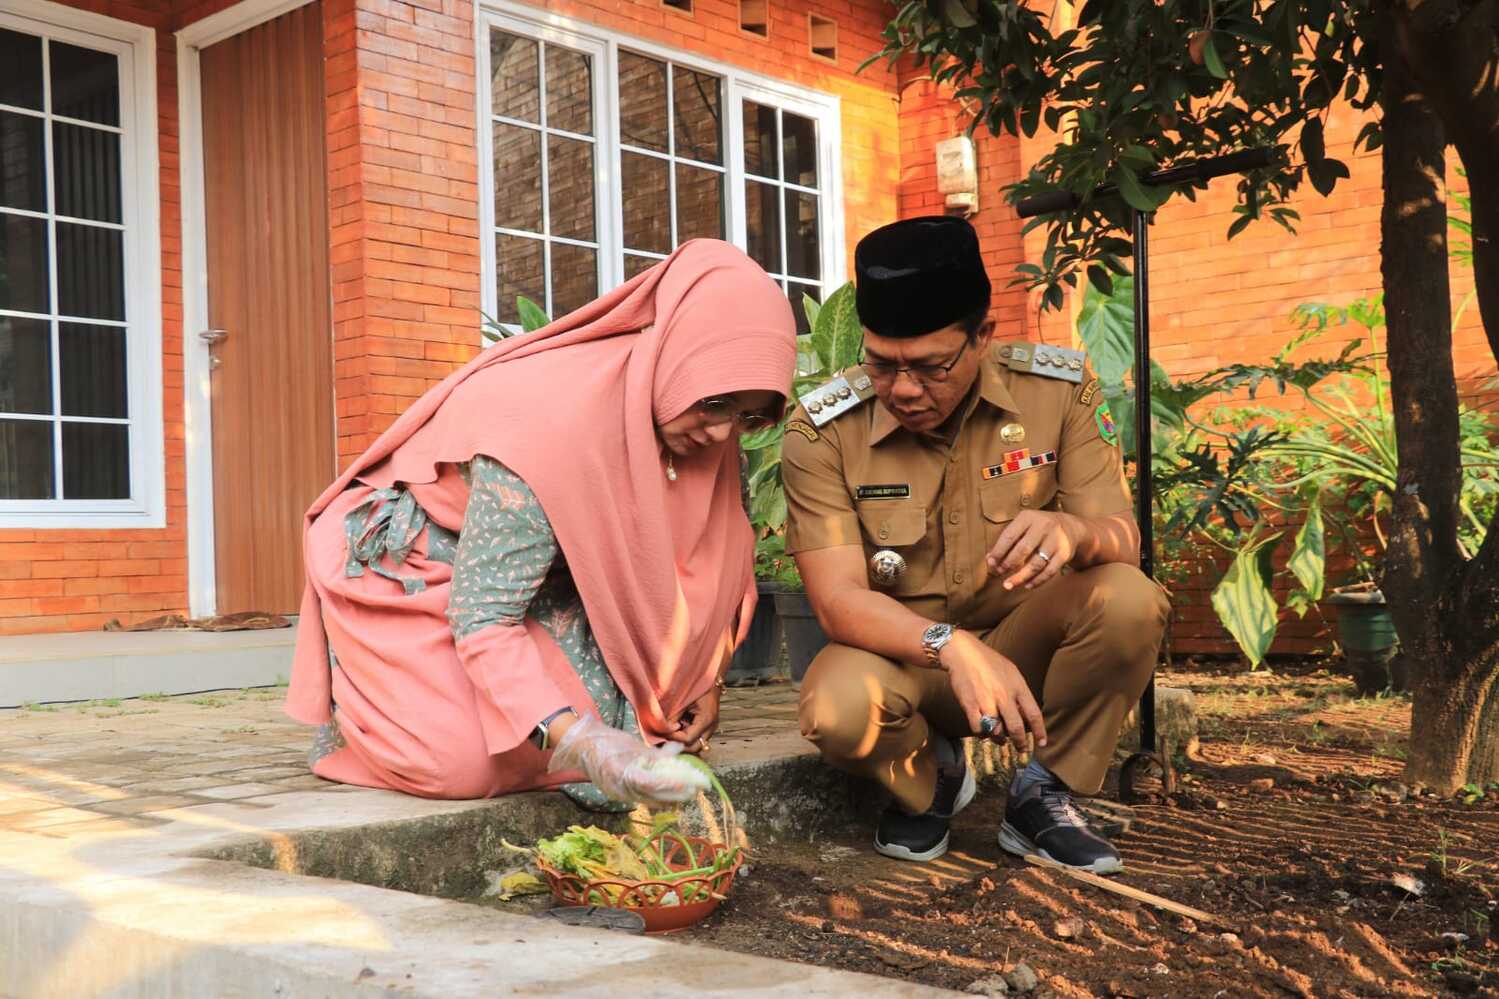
x,y
1020,462
887,490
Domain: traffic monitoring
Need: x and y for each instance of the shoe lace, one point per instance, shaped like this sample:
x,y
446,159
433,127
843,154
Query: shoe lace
x,y
1061,807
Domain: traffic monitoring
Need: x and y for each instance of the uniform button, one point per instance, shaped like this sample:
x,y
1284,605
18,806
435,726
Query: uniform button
x,y
953,457
884,533
957,577
1025,501
953,518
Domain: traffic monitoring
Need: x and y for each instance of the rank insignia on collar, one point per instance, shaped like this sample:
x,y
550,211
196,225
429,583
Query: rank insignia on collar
x,y
1020,464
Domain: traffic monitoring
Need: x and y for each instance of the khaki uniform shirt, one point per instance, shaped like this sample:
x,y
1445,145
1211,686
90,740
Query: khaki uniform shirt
x,y
863,479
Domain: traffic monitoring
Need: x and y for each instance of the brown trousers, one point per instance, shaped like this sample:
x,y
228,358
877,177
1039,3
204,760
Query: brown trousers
x,y
1086,643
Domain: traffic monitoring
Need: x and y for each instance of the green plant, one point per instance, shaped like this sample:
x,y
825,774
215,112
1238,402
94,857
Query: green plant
x,y
532,318
832,344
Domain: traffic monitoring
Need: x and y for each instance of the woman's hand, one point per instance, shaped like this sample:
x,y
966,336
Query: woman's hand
x,y
696,725
625,768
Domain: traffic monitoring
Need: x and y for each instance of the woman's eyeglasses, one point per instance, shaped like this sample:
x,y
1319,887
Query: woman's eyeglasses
x,y
885,371
717,410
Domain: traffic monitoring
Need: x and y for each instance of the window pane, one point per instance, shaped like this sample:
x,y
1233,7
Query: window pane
x,y
95,461
647,209
803,246
570,186
519,262
23,157
90,271
796,292
26,459
569,90
86,162
93,370
25,365
20,70
762,208
517,178
699,203
575,278
85,84
698,123
23,264
799,146
637,265
760,139
514,77
642,102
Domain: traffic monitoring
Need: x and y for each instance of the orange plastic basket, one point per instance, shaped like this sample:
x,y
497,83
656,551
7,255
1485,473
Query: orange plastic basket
x,y
665,905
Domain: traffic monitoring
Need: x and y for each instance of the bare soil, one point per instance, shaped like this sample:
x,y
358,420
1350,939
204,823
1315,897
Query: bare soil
x,y
1289,823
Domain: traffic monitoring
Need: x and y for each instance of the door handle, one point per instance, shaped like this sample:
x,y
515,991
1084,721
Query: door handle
x,y
212,337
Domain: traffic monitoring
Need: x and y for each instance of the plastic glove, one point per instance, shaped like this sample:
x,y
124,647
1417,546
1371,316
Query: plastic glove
x,y
625,768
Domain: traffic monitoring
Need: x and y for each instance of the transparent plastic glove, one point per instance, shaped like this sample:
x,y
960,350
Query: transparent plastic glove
x,y
625,768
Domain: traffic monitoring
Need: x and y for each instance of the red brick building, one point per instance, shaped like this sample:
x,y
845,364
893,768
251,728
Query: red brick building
x,y
236,239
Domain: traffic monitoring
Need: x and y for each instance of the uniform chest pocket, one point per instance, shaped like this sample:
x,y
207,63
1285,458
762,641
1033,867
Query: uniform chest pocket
x,y
1003,498
892,525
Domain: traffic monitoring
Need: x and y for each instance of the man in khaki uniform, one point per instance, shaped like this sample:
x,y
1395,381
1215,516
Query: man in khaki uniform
x,y
958,512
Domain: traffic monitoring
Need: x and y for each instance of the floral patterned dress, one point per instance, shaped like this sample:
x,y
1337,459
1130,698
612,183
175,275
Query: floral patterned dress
x,y
507,566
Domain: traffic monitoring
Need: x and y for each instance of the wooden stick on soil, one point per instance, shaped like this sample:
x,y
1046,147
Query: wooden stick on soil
x,y
1089,878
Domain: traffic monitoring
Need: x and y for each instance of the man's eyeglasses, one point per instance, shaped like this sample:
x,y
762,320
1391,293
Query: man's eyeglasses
x,y
886,371
716,410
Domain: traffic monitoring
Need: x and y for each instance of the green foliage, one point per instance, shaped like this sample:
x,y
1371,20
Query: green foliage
x,y
1137,87
532,318
833,343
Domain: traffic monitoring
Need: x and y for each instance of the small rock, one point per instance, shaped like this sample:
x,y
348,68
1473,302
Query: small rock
x,y
845,907
1262,783
989,985
1022,979
1219,805
1230,940
366,973
1341,895
1452,941
1335,797
1118,990
1408,884
828,926
1066,929
1265,759
1160,969
1185,925
1395,792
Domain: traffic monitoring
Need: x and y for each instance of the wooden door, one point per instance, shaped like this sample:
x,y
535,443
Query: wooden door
x,y
266,208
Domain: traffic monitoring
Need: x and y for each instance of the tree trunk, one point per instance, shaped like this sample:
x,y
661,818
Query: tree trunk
x,y
1422,555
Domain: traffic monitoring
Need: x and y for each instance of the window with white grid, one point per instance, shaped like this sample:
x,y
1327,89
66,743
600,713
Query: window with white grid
x,y
657,148
75,392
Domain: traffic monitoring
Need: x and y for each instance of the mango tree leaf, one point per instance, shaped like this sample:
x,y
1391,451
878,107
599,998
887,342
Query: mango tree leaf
x,y
1106,326
1308,559
1133,192
532,316
1244,603
1212,60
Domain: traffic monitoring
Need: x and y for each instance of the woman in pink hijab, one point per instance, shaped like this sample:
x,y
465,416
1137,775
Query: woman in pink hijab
x,y
540,571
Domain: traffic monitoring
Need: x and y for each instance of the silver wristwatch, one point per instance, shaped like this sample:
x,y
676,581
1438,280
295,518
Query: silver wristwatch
x,y
932,641
541,736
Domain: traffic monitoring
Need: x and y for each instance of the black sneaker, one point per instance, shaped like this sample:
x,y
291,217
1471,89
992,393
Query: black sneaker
x,y
924,837
1045,821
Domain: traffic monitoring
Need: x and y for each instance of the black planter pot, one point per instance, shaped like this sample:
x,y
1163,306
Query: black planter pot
x,y
1367,633
759,658
804,636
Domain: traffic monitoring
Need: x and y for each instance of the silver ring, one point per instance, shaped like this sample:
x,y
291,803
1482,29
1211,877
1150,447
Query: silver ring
x,y
1042,555
987,725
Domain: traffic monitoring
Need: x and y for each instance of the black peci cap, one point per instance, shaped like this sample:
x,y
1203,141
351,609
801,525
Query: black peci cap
x,y
918,275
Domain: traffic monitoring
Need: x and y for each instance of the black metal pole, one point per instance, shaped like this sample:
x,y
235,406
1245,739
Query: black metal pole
x,y
1144,495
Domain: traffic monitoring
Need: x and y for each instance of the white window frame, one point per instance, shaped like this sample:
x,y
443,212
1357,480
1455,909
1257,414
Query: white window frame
x,y
135,46
738,86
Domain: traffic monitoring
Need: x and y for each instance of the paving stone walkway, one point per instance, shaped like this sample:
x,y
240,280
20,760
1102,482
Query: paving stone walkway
x,y
114,766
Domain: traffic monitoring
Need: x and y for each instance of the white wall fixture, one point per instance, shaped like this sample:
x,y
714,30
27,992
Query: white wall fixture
x,y
958,175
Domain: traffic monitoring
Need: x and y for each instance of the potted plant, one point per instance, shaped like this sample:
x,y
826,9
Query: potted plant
x,y
832,344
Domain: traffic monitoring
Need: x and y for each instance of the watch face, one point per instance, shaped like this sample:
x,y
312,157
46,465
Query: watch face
x,y
937,633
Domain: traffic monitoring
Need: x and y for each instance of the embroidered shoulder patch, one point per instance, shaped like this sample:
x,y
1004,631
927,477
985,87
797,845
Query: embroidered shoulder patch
x,y
1106,428
1088,393
803,428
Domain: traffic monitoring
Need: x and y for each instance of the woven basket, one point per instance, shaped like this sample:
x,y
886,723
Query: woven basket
x,y
664,905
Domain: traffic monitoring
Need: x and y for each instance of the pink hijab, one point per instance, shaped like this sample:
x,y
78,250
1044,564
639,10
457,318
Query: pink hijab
x,y
662,567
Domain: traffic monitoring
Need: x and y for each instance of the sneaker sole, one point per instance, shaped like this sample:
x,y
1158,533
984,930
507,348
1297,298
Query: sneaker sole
x,y
898,852
1011,841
